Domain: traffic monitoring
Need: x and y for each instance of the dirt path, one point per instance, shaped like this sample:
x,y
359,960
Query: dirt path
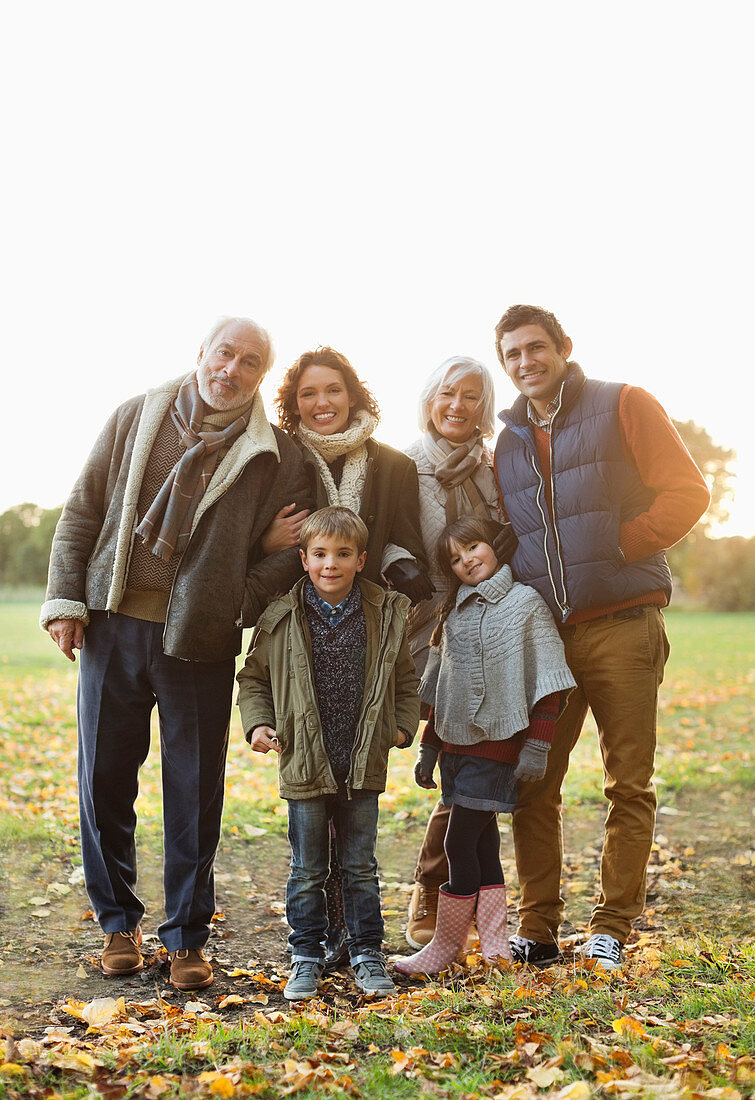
x,y
701,879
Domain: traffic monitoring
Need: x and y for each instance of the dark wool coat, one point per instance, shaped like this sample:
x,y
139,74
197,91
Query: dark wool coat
x,y
390,504
222,582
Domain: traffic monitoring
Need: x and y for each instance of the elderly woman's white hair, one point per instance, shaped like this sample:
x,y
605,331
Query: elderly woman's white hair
x,y
447,374
223,321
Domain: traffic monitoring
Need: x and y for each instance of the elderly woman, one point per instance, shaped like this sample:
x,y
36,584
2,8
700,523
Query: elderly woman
x,y
456,415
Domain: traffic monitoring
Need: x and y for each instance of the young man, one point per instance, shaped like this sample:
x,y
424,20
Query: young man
x,y
597,484
329,685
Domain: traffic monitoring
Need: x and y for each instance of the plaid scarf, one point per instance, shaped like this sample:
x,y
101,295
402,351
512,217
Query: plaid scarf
x,y
461,472
166,527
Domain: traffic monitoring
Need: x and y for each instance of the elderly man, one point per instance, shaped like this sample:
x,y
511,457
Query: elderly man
x,y
155,568
597,484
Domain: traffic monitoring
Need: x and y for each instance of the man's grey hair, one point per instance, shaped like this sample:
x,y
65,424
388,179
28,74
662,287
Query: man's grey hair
x,y
223,321
447,374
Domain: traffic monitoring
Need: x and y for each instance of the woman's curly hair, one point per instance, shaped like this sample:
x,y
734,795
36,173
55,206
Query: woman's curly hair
x,y
285,400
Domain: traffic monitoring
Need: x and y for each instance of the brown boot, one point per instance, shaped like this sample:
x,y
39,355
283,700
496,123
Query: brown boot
x,y
121,955
189,969
423,912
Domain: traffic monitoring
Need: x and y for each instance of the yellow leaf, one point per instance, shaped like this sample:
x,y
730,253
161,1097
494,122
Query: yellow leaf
x,y
578,1090
544,1076
11,1069
74,1008
101,1011
231,999
222,1087
627,1025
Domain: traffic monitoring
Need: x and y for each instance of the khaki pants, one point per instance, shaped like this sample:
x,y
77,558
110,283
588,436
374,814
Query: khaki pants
x,y
618,664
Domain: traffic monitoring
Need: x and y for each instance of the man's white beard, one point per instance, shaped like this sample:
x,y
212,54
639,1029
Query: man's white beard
x,y
217,403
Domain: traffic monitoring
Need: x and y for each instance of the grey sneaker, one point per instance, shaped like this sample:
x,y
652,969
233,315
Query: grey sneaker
x,y
534,953
370,973
304,979
603,949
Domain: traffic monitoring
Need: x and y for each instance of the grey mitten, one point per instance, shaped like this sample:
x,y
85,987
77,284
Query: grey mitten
x,y
425,766
533,760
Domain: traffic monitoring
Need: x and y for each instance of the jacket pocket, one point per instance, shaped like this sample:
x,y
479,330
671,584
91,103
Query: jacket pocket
x,y
297,765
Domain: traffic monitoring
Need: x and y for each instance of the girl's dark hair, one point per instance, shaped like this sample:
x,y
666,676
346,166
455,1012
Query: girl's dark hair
x,y
461,532
286,403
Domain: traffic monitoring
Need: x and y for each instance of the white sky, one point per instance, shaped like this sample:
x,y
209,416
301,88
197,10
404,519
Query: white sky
x,y
386,178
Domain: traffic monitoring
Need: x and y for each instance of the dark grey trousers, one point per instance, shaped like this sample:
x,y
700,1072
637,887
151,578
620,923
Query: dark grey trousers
x,y
123,674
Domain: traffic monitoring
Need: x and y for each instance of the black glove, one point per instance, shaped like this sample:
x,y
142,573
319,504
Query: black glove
x,y
505,543
425,766
410,578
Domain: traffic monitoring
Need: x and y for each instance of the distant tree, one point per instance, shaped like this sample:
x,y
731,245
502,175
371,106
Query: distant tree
x,y
714,462
26,532
721,573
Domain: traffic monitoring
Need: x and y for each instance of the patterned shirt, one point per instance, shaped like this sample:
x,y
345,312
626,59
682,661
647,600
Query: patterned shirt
x,y
339,652
330,613
551,409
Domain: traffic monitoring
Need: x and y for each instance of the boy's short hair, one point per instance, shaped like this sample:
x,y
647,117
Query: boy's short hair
x,y
335,522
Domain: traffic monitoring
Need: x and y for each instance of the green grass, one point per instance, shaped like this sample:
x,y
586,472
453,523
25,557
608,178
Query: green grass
x,y
475,1028
705,719
678,1024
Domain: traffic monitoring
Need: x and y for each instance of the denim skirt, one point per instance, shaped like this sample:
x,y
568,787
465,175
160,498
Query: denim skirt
x,y
477,783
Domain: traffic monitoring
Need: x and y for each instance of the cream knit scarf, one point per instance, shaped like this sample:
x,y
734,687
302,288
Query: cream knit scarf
x,y
352,443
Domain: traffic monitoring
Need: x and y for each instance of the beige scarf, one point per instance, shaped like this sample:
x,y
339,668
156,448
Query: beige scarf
x,y
352,443
461,472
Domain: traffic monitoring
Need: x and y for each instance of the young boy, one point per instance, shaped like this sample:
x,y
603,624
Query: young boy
x,y
329,684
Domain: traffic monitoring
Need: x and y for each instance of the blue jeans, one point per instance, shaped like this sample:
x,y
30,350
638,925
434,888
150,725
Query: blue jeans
x,y
356,821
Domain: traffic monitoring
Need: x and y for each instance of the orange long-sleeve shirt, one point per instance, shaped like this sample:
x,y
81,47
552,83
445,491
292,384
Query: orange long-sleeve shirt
x,y
653,445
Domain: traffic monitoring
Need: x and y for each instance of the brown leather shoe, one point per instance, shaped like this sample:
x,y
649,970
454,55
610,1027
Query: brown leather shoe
x,y
121,955
189,969
423,913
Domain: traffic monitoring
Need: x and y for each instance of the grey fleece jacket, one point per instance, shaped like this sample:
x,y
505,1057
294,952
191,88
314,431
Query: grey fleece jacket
x,y
223,582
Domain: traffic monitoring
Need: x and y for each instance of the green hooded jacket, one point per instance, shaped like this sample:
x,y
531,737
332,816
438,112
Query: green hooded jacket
x,y
276,689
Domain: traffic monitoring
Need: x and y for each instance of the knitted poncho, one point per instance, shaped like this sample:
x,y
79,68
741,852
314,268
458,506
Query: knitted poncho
x,y
500,652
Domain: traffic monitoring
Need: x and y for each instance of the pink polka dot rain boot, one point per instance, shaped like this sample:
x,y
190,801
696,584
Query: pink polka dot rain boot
x,y
491,923
455,913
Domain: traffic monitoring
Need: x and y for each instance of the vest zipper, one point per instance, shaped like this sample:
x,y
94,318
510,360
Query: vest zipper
x,y
565,609
544,518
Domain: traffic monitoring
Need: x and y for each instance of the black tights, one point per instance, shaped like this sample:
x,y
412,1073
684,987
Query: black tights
x,y
472,847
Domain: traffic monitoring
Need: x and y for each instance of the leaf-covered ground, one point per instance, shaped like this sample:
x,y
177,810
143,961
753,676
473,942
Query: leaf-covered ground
x,y
678,1021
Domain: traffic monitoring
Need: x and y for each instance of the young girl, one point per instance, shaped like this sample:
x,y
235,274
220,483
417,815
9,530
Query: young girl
x,y
496,679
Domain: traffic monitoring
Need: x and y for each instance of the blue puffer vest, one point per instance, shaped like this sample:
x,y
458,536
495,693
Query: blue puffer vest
x,y
578,564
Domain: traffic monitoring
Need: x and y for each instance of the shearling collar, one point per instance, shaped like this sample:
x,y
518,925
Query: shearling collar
x,y
258,438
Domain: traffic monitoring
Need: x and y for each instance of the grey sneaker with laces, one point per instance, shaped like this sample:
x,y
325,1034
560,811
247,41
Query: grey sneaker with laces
x,y
533,953
303,980
603,949
370,973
